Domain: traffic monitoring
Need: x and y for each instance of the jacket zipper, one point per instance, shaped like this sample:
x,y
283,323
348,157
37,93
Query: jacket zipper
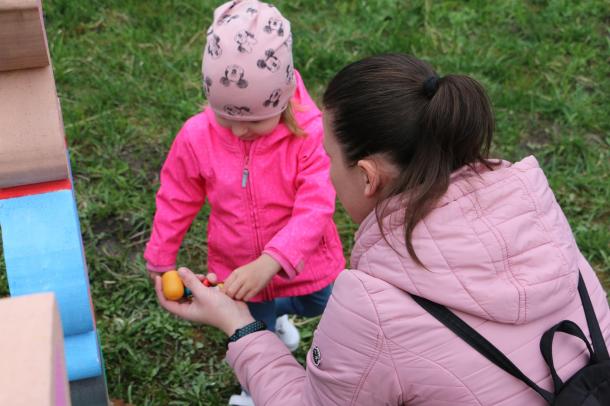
x,y
244,184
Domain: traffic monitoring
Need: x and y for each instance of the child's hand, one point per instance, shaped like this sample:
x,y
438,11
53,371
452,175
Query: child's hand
x,y
208,306
154,276
246,281
155,271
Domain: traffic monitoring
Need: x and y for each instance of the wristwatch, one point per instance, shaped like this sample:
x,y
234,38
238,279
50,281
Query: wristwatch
x,y
247,329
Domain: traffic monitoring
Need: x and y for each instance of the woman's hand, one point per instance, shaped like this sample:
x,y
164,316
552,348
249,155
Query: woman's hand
x,y
208,305
246,281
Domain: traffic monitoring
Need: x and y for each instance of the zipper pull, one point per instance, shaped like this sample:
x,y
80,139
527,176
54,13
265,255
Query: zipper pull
x,y
244,178
246,172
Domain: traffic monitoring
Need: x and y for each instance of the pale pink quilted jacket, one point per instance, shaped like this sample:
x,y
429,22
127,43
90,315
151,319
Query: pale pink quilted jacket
x,y
270,195
500,254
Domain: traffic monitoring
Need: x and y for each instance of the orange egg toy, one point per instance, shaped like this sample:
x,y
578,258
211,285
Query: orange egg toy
x,y
173,288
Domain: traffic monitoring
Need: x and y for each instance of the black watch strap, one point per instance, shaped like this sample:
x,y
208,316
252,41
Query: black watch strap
x,y
247,329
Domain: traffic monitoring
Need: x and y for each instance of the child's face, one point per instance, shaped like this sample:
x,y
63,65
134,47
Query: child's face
x,y
249,130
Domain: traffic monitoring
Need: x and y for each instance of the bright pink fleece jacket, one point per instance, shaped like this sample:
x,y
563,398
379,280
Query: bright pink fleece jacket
x,y
272,195
500,254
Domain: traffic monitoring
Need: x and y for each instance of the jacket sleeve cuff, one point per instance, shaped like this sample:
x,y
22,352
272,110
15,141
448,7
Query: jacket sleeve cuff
x,y
159,268
158,260
288,271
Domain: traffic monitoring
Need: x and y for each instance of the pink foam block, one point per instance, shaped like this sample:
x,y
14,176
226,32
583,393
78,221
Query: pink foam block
x,y
32,141
23,43
32,367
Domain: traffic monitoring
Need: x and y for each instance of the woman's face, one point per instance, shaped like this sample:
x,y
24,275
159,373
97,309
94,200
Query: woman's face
x,y
350,182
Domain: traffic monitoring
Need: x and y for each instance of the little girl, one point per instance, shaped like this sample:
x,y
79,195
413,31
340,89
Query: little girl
x,y
255,153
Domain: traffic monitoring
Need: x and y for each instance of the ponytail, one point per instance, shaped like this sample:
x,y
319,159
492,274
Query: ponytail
x,y
457,125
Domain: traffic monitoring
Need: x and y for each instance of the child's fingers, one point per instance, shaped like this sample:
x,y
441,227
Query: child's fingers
x,y
230,281
252,292
242,292
232,287
212,278
250,295
230,291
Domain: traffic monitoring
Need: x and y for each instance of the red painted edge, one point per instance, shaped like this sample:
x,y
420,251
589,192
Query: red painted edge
x,y
35,189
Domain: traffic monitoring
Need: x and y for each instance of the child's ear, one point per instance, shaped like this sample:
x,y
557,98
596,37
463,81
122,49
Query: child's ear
x,y
369,170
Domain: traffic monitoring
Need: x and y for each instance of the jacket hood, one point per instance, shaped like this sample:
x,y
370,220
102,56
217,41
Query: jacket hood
x,y
497,246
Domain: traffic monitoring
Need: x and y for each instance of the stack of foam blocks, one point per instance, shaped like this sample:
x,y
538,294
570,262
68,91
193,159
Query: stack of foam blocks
x,y
41,235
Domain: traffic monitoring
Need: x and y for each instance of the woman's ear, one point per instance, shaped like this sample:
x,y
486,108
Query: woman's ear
x,y
371,179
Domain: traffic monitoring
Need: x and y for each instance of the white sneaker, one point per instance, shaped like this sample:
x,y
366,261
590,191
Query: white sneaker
x,y
243,399
287,332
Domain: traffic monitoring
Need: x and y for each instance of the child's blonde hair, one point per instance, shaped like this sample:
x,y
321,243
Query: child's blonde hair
x,y
290,120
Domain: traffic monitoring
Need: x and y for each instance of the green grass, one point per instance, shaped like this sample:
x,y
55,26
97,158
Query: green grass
x,y
128,74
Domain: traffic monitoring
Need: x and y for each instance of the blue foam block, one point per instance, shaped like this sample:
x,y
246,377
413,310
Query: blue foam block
x,y
43,252
83,359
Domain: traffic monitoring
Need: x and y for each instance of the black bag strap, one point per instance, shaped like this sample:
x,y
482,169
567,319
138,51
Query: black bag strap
x,y
546,347
599,344
489,351
478,342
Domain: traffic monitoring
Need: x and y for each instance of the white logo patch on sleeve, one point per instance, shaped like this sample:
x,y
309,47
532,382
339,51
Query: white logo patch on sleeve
x,y
316,356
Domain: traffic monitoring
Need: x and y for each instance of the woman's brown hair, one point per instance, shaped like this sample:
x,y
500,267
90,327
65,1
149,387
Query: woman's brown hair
x,y
429,126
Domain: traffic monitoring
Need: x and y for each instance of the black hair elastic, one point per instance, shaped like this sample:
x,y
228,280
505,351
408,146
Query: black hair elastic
x,y
431,86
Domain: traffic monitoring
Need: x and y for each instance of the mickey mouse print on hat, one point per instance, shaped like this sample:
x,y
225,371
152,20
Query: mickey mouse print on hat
x,y
247,61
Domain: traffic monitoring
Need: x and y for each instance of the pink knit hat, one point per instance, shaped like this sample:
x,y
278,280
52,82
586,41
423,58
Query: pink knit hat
x,y
247,62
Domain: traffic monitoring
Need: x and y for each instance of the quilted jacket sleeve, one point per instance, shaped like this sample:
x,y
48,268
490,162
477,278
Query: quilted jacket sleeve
x,y
313,207
347,364
179,199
